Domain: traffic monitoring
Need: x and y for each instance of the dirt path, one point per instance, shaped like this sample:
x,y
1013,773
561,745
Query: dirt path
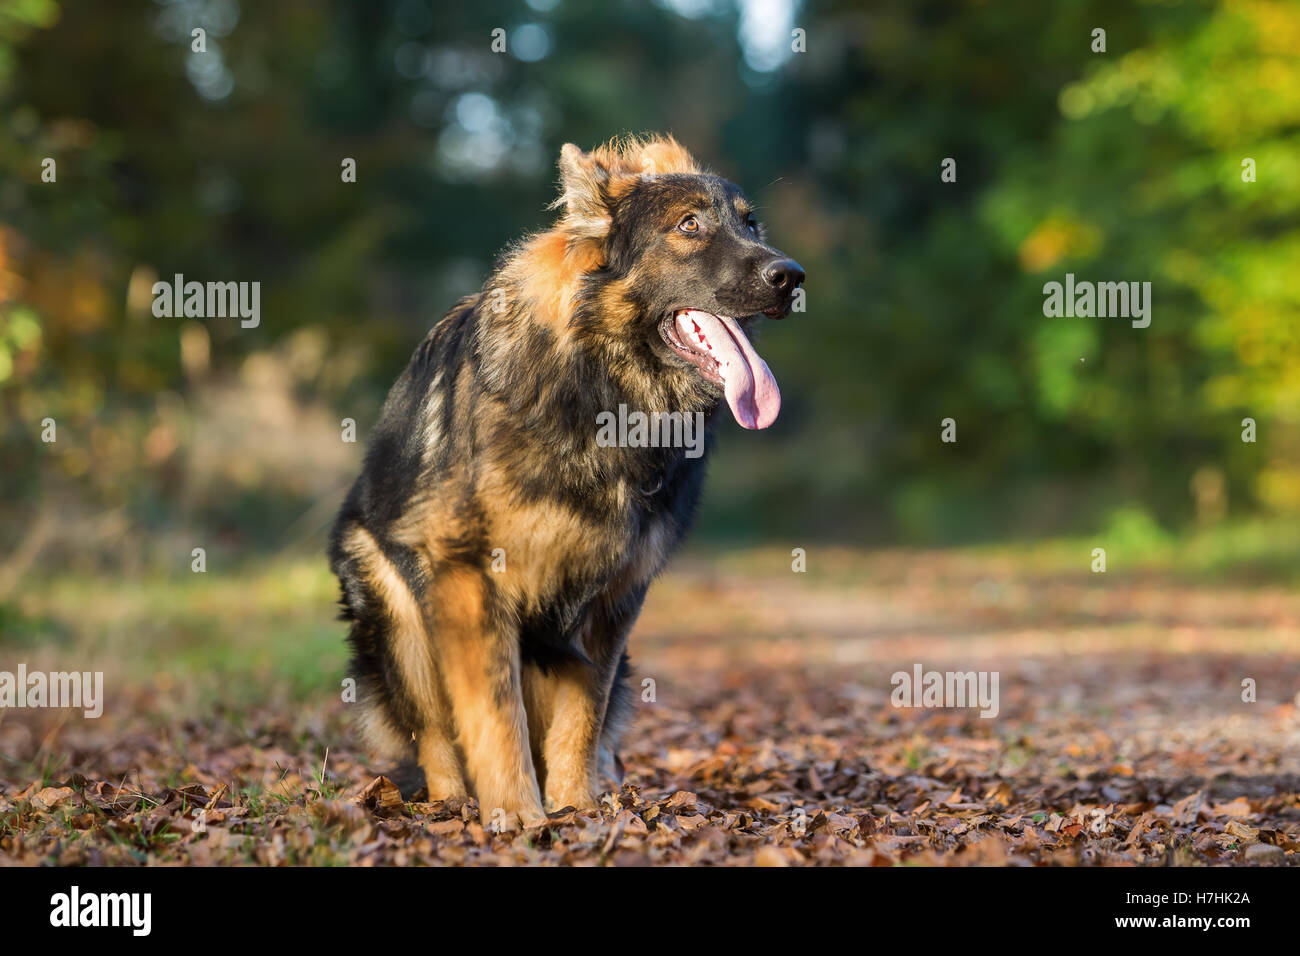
x,y
767,736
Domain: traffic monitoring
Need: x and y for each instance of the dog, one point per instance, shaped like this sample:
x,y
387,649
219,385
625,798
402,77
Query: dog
x,y
493,555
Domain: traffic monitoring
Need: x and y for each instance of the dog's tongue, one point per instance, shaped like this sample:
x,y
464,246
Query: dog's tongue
x,y
751,390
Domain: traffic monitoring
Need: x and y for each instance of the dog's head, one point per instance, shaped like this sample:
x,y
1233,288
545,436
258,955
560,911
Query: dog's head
x,y
674,267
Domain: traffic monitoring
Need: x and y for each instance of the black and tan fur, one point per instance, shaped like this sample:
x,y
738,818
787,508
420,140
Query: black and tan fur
x,y
508,685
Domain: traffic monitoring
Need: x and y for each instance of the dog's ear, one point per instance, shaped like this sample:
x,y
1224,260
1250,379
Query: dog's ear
x,y
584,181
590,183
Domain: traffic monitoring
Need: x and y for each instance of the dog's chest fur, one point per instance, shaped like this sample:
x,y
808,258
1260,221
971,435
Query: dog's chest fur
x,y
570,563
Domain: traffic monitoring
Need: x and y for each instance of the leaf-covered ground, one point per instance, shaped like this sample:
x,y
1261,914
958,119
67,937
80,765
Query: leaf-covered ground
x,y
1122,735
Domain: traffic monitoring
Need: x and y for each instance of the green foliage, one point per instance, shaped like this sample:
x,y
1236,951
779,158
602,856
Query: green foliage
x,y
924,297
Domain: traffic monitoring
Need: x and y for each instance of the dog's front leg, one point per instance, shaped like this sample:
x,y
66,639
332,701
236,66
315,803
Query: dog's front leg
x,y
478,660
578,698
575,704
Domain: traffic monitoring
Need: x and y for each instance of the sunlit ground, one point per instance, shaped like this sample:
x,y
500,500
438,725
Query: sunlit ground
x,y
1121,734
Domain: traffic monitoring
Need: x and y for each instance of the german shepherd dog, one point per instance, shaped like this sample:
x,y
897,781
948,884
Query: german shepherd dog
x,y
493,555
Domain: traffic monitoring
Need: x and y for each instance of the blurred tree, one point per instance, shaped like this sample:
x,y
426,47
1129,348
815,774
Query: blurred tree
x,y
924,296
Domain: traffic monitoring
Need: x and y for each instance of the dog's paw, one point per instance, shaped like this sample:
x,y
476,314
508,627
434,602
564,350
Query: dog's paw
x,y
571,800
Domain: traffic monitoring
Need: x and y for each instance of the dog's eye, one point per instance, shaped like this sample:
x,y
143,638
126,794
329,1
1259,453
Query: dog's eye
x,y
752,223
689,224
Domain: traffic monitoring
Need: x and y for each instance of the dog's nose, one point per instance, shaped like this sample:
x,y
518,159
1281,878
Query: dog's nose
x,y
783,275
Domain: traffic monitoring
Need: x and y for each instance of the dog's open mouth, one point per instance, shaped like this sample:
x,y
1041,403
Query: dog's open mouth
x,y
720,349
